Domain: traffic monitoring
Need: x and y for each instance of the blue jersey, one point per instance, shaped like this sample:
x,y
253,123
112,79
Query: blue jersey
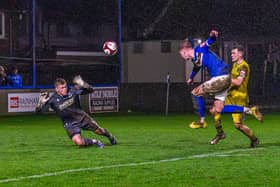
x,y
203,57
15,80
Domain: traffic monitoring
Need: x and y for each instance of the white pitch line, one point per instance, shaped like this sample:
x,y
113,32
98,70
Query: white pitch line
x,y
222,153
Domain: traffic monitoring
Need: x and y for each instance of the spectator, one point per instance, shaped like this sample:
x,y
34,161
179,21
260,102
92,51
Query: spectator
x,y
3,77
14,79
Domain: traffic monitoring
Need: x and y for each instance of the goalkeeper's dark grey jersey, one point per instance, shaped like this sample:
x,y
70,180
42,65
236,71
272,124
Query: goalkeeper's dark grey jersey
x,y
68,107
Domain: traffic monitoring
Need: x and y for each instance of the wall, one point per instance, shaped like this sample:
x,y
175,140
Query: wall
x,y
141,97
151,65
149,97
4,100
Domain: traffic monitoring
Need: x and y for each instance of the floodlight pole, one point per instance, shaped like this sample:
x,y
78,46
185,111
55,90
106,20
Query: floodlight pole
x,y
168,80
120,2
34,43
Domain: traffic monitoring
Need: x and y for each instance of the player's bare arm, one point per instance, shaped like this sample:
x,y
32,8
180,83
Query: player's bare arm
x,y
238,81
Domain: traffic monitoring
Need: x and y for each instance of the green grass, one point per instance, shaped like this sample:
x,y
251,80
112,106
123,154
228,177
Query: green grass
x,y
33,145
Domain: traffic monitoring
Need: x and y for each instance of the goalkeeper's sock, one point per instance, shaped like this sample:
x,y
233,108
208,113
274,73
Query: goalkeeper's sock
x,y
233,109
106,133
88,142
111,138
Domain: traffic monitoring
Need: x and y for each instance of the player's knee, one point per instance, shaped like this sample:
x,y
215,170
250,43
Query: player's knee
x,y
219,110
212,111
198,91
193,92
218,105
78,141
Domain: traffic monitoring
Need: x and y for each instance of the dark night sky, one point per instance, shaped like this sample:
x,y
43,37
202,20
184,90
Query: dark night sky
x,y
196,17
233,18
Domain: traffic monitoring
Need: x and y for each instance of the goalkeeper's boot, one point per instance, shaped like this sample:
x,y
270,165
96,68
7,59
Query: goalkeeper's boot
x,y
198,124
99,144
256,113
217,138
254,143
113,140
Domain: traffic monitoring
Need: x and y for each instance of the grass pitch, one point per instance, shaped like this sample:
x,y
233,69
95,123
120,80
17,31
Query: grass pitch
x,y
152,150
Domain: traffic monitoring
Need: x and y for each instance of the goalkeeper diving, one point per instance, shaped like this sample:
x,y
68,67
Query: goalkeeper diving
x,y
66,103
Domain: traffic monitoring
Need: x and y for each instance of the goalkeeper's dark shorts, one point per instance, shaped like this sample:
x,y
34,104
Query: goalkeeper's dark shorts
x,y
87,123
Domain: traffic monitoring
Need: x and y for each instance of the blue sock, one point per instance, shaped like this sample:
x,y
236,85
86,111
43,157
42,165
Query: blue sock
x,y
233,109
201,106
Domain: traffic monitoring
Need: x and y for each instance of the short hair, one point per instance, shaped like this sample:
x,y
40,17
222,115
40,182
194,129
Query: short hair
x,y
14,68
239,48
59,81
187,43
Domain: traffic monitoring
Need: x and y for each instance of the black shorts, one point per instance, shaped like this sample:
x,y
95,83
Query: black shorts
x,y
86,124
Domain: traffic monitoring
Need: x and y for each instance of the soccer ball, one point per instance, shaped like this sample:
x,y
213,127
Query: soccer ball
x,y
110,48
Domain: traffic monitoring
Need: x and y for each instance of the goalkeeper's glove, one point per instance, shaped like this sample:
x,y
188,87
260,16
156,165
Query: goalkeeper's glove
x,y
80,82
43,98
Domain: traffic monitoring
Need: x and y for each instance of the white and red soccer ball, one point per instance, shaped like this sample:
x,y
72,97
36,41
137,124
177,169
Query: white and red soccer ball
x,y
110,48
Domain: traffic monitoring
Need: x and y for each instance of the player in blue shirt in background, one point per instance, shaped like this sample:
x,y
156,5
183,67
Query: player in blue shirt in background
x,y
218,84
14,79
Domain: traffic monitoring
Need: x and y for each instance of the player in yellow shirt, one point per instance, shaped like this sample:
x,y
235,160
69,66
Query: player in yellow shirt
x,y
238,91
